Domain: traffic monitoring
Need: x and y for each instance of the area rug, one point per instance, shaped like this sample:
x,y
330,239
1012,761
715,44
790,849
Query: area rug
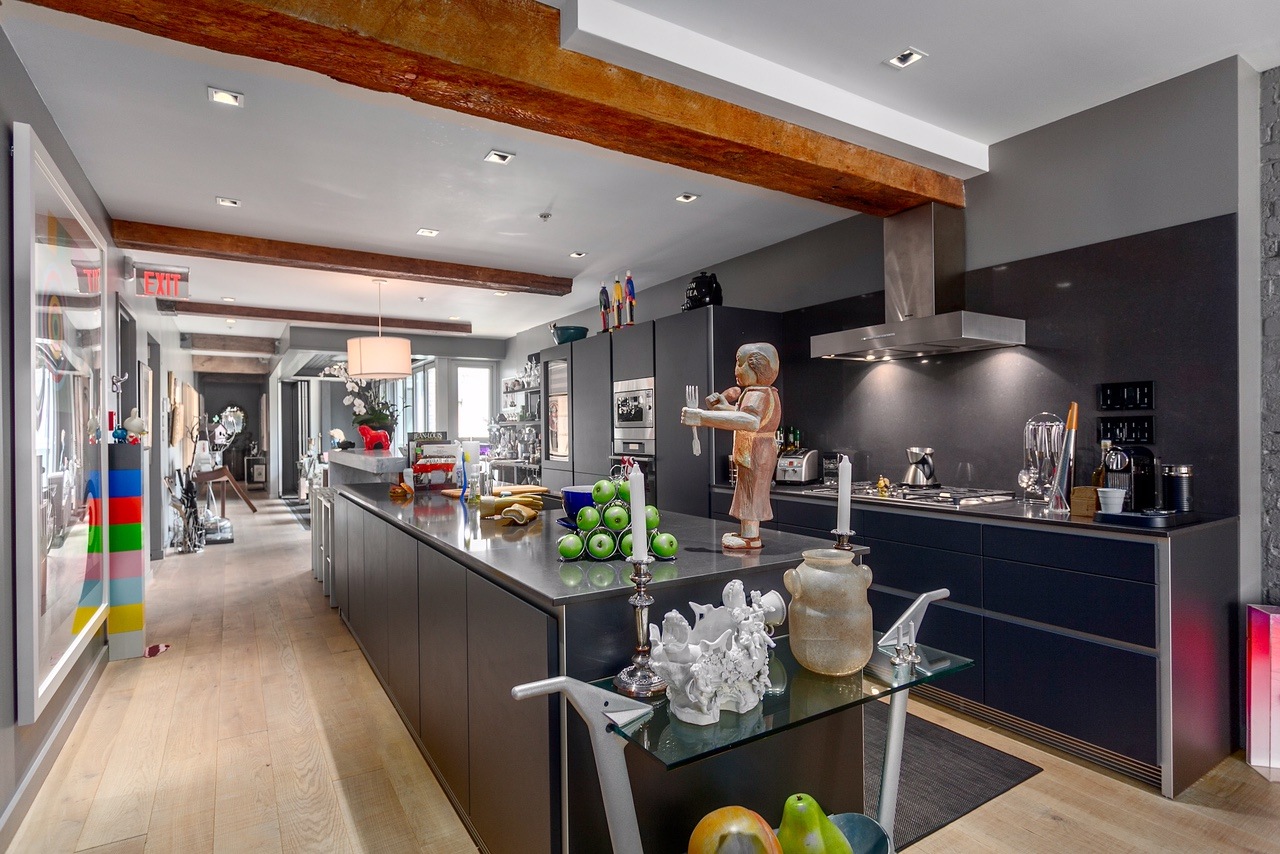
x,y
944,775
301,510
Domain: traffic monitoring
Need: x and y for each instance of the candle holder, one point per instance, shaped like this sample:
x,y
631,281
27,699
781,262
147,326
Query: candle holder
x,y
638,679
842,539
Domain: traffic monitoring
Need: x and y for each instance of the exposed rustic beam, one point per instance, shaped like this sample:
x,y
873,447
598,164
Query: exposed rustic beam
x,y
503,61
229,343
280,253
229,365
290,315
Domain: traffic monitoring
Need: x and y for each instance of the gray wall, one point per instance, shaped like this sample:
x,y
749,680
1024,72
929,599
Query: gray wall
x,y
20,746
1159,157
1270,153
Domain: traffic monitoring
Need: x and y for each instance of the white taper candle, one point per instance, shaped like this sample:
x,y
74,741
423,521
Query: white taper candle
x,y
845,470
639,528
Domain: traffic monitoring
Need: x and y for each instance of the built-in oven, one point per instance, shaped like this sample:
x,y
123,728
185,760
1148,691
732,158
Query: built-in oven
x,y
633,417
648,468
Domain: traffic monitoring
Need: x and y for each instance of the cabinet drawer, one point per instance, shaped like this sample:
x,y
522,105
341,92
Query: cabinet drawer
x,y
944,628
949,534
917,570
807,515
1107,607
1095,555
720,503
1097,693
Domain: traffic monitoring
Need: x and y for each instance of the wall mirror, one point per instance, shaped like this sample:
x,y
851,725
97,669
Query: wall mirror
x,y
59,426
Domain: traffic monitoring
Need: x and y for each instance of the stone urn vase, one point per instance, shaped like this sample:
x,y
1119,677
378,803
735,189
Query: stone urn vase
x,y
830,617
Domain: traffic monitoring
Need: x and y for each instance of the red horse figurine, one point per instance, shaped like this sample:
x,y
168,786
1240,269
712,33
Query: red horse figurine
x,y
374,439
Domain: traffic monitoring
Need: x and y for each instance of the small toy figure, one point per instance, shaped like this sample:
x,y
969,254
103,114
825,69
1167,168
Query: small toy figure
x,y
375,440
604,307
617,303
631,300
135,427
753,411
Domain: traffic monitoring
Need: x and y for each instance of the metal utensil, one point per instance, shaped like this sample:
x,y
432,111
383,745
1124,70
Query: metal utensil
x,y
691,399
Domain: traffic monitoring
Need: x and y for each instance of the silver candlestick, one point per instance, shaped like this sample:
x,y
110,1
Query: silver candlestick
x,y
842,539
638,678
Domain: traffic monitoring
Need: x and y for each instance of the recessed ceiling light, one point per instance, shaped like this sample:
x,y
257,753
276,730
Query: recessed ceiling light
x,y
228,299
455,317
428,232
496,156
499,293
230,322
228,203
577,255
225,96
909,56
686,197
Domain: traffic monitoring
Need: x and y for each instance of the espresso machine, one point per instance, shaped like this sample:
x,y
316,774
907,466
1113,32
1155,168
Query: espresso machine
x,y
1133,468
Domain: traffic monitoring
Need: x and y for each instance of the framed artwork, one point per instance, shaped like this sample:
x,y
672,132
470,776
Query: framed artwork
x,y
61,569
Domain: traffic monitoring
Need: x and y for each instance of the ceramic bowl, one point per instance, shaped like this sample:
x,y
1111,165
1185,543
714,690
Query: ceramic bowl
x,y
575,498
565,334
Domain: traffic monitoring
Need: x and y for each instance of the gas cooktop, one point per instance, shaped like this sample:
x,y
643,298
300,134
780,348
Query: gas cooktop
x,y
932,496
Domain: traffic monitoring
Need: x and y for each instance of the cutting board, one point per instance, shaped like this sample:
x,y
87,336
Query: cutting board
x,y
502,490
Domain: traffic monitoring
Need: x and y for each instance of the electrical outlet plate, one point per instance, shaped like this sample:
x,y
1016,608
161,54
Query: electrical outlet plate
x,y
1128,429
1134,395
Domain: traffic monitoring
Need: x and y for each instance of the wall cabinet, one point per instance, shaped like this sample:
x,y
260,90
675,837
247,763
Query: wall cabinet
x,y
633,352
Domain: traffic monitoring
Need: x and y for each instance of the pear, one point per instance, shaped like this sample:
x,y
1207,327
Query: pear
x,y
805,829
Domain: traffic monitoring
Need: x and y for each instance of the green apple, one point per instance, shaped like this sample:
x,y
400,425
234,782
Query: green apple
x,y
600,545
805,829
651,517
616,517
603,492
664,545
624,545
570,546
624,491
588,519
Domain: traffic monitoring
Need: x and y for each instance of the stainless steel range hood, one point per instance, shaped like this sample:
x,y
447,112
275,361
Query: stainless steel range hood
x,y
924,296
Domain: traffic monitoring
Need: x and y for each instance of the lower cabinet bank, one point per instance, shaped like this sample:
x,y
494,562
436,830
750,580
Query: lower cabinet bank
x,y
1109,644
451,613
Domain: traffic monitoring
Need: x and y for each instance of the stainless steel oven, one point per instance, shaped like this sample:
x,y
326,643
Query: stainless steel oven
x,y
633,416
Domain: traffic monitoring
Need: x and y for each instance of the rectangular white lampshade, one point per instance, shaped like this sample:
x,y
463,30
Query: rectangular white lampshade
x,y
378,357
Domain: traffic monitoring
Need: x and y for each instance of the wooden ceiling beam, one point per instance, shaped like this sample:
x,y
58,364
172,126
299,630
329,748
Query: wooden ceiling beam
x,y
503,61
229,344
280,253
290,315
229,365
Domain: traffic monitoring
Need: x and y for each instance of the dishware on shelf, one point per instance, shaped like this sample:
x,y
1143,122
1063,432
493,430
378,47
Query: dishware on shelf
x,y
691,400
565,334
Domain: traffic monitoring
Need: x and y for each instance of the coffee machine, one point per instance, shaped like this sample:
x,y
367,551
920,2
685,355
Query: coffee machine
x,y
1133,469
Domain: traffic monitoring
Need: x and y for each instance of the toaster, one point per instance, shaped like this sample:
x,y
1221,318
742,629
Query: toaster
x,y
799,466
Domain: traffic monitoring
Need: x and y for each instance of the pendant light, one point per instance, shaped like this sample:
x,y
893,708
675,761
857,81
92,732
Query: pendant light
x,y
377,357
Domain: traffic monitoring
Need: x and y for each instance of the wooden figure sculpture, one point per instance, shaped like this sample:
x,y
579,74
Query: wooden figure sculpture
x,y
752,410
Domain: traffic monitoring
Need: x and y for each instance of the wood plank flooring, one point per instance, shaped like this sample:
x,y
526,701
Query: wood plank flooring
x,y
263,729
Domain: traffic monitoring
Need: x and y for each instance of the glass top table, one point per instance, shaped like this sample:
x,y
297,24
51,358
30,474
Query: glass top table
x,y
797,696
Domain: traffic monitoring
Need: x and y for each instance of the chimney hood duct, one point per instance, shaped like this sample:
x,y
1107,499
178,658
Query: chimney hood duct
x,y
923,296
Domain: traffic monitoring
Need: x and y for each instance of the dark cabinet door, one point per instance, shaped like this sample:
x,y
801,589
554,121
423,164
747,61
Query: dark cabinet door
x,y
681,357
338,550
592,402
401,605
372,620
515,804
633,352
442,667
355,563
1097,693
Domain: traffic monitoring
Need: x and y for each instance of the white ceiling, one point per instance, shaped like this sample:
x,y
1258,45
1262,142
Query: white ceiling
x,y
314,161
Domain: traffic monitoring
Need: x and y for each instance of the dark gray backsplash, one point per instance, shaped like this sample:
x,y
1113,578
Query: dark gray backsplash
x,y
1157,306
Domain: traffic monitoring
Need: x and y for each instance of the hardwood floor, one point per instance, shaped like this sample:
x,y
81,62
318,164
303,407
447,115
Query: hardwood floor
x,y
263,729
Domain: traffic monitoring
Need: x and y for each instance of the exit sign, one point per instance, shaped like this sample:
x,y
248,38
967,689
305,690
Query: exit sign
x,y
153,280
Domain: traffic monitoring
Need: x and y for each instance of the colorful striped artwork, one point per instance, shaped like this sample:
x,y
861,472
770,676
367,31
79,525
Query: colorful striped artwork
x,y
91,589
126,623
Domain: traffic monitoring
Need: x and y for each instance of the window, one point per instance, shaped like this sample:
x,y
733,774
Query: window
x,y
475,401
430,408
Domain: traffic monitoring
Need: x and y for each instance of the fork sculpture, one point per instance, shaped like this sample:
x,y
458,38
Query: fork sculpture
x,y
691,400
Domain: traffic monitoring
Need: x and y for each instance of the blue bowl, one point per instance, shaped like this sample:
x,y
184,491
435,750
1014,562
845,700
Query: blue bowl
x,y
575,498
565,334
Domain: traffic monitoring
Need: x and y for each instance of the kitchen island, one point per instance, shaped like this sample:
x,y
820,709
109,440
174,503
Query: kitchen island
x,y
453,611
1047,605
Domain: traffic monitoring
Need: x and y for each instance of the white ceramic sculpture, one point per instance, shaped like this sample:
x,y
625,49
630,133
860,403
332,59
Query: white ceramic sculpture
x,y
722,661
